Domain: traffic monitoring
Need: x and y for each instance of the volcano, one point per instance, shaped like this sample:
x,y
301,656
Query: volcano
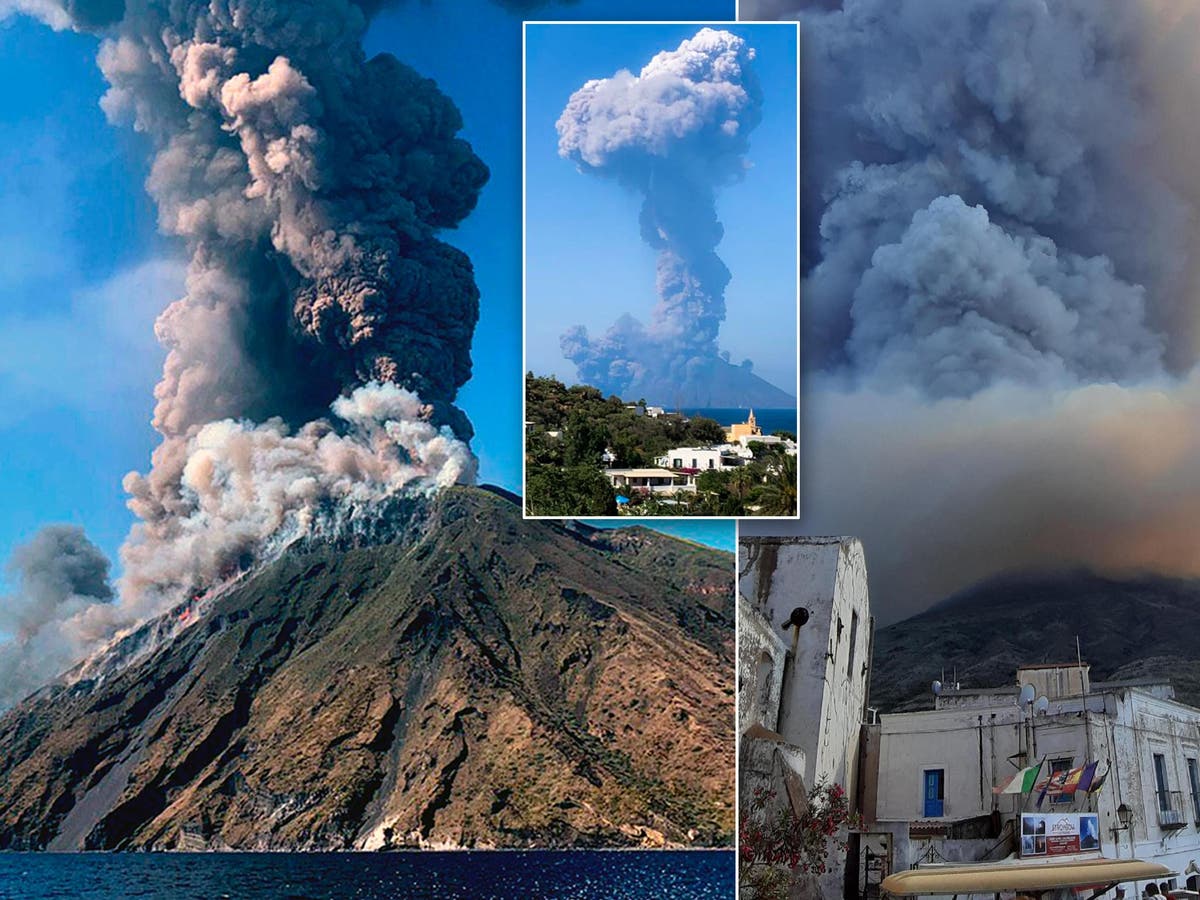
x,y
1135,627
459,678
710,384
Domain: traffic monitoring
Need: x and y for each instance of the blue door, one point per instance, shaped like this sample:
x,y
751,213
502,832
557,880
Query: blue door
x,y
935,794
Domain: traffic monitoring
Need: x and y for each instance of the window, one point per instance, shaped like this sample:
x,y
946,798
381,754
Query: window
x,y
710,464
935,793
677,462
1194,782
853,636
1160,781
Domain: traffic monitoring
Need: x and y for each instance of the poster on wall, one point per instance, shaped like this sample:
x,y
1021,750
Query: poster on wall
x,y
1057,834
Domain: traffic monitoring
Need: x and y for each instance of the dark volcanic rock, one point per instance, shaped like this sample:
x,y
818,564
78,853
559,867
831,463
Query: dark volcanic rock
x,y
1143,627
478,680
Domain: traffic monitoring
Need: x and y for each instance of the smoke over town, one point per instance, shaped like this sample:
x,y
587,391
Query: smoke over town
x,y
308,184
1000,329
674,133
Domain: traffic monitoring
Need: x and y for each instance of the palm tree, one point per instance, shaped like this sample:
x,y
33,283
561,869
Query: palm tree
x,y
742,482
777,497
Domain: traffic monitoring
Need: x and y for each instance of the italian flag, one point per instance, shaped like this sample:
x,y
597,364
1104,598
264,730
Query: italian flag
x,y
1021,783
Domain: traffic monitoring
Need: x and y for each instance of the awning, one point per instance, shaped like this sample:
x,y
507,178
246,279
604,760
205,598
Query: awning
x,y
1020,876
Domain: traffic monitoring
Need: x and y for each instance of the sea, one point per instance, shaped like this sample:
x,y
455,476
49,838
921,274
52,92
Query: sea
x,y
769,420
524,874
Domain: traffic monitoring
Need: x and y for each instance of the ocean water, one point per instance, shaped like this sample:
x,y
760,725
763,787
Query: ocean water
x,y
769,420
528,875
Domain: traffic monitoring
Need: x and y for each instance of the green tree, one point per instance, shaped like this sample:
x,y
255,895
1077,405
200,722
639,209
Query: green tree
x,y
778,495
705,431
573,491
585,440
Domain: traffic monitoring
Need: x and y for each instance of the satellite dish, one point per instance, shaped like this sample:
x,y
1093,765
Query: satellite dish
x,y
937,688
1041,706
1027,694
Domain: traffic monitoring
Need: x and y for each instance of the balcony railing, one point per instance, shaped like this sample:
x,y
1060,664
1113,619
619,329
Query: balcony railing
x,y
1171,809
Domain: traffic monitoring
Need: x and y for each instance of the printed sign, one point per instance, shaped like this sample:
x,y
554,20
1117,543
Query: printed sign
x,y
1057,834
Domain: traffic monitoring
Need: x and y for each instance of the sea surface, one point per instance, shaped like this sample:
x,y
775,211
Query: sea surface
x,y
769,420
528,875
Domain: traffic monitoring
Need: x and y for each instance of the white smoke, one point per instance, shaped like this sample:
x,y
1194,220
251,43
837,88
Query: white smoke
x,y
246,491
244,483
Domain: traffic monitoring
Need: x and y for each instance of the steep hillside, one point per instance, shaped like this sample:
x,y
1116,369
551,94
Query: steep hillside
x,y
1138,627
476,680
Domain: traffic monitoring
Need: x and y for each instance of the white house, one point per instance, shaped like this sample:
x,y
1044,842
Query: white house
x,y
928,776
720,457
649,480
789,446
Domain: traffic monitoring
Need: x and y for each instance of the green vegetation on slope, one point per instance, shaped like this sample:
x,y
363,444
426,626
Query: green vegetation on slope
x,y
569,428
464,677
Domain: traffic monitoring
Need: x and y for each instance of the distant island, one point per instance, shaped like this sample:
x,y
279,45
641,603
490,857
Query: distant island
x,y
707,381
591,455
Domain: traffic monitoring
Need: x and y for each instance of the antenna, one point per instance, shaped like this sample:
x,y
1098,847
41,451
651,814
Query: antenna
x,y
1041,706
936,687
1027,694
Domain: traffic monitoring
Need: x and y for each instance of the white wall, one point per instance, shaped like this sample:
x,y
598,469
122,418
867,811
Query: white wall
x,y
822,702
1124,725
762,655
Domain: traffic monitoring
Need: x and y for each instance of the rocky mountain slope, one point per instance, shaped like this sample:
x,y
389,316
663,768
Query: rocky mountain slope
x,y
1128,628
467,679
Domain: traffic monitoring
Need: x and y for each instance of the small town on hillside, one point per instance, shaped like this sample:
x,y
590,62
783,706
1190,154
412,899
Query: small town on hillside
x,y
1050,786
591,455
678,470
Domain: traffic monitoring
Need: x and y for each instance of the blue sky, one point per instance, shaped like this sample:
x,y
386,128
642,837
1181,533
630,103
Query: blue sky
x,y
83,272
586,263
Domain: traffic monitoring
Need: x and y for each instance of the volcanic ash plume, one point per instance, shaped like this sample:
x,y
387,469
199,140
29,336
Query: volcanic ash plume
x,y
60,608
675,132
1000,215
308,184
244,492
992,195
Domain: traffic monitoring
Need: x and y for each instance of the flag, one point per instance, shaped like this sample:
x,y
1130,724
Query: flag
x,y
1098,783
1020,783
1051,785
1088,776
1071,783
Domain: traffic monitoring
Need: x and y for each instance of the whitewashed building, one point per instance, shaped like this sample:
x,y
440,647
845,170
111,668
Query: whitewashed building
x,y
788,445
721,457
825,691
651,480
928,776
802,690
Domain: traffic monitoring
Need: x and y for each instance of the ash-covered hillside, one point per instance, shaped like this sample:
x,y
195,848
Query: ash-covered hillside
x,y
1128,628
475,680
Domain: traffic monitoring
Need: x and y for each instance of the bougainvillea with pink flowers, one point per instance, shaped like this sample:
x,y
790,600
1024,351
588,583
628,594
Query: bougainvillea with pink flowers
x,y
775,849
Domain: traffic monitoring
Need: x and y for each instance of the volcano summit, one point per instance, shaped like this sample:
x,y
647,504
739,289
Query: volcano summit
x,y
461,678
